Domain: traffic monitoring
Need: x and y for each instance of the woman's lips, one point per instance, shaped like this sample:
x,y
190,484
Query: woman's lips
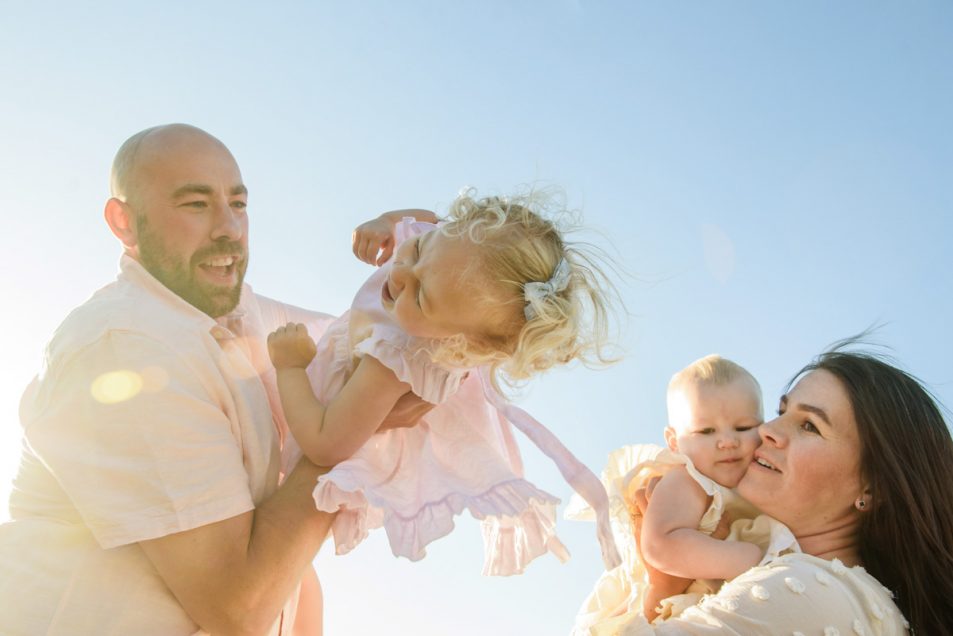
x,y
765,464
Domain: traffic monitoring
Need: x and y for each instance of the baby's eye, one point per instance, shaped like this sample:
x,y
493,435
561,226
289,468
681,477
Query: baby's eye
x,y
742,429
705,431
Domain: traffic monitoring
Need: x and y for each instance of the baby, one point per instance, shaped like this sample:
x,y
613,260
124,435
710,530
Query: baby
x,y
714,409
494,294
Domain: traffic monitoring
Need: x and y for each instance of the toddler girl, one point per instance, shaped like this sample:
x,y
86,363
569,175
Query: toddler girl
x,y
714,409
495,293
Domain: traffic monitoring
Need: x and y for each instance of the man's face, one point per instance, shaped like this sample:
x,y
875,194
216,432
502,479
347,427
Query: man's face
x,y
190,222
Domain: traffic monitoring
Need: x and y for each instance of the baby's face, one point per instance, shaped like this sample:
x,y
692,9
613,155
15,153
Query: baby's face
x,y
716,427
429,291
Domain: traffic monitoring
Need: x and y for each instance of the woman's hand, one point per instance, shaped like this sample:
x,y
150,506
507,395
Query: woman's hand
x,y
663,585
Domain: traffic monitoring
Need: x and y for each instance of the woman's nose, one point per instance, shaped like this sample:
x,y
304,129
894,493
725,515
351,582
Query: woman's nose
x,y
772,432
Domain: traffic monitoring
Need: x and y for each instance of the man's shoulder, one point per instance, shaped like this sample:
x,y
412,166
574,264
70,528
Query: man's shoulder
x,y
119,308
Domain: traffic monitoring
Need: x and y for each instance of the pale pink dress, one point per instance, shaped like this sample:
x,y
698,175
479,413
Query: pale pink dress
x,y
461,455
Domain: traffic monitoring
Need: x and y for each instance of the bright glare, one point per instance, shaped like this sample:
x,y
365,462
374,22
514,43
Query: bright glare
x,y
116,386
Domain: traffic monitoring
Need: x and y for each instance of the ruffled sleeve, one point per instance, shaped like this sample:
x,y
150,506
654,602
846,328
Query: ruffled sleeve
x,y
410,360
409,227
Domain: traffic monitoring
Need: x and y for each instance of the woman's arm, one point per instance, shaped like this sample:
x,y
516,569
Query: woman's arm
x,y
328,434
671,541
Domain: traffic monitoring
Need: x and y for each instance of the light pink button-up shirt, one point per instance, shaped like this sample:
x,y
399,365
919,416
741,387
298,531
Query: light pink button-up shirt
x,y
147,418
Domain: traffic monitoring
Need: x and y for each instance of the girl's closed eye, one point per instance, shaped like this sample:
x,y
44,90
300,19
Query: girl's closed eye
x,y
417,259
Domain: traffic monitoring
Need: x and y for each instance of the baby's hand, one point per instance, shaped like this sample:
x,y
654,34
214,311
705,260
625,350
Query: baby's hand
x,y
373,241
290,347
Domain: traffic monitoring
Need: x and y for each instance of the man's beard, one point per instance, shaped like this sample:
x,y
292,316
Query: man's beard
x,y
180,278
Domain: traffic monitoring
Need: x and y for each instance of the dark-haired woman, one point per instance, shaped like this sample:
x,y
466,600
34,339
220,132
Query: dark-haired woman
x,y
858,465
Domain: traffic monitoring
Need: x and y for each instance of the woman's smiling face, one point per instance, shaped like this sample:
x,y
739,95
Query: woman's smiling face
x,y
806,473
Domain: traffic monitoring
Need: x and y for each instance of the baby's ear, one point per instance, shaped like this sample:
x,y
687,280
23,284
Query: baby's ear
x,y
671,438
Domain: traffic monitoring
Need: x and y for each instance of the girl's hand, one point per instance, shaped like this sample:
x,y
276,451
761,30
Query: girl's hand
x,y
290,347
373,241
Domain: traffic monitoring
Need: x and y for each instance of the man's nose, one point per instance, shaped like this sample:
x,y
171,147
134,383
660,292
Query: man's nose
x,y
229,223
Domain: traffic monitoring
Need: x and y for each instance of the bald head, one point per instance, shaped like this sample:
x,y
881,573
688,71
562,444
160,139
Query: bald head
x,y
147,145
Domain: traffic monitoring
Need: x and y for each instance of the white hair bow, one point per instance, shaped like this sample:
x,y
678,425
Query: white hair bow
x,y
535,292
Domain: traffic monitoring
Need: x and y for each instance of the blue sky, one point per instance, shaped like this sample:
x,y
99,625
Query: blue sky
x,y
773,176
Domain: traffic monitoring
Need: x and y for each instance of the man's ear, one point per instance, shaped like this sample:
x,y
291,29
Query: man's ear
x,y
671,438
119,219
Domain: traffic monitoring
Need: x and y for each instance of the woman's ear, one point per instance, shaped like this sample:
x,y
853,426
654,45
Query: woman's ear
x,y
863,502
671,438
119,218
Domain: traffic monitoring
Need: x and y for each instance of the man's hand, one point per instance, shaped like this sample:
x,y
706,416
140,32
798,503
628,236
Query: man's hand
x,y
406,412
373,241
290,347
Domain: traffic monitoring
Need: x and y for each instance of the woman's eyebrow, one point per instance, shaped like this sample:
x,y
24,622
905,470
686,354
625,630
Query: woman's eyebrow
x,y
816,410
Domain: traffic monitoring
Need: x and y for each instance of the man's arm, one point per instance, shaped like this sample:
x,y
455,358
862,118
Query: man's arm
x,y
234,576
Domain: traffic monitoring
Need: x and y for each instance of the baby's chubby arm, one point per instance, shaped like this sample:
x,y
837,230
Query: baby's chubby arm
x,y
672,543
328,434
373,241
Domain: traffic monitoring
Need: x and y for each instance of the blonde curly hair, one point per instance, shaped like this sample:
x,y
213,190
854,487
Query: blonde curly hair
x,y
520,246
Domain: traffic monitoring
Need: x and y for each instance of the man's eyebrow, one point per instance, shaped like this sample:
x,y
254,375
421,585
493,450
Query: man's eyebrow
x,y
200,188
816,410
191,188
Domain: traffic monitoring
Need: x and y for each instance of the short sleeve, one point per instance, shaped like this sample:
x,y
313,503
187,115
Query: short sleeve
x,y
411,362
138,461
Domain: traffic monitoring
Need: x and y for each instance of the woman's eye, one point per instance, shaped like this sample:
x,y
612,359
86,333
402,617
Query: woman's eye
x,y
809,427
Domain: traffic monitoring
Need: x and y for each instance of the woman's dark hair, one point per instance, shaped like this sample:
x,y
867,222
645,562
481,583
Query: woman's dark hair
x,y
906,532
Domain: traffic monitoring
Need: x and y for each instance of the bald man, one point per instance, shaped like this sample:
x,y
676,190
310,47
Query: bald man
x,y
148,498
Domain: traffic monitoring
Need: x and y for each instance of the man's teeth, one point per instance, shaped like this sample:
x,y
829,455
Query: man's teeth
x,y
767,465
224,261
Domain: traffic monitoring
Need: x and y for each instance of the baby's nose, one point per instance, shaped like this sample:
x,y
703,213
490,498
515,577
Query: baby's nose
x,y
728,441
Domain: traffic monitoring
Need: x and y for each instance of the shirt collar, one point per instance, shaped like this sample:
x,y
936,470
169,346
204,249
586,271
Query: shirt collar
x,y
224,327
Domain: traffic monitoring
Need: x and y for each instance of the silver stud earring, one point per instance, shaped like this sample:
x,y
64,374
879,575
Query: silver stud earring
x,y
861,504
